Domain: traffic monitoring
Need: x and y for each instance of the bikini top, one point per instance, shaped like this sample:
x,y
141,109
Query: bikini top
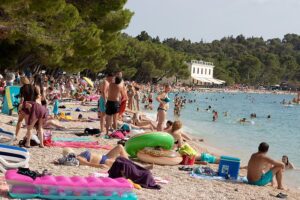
x,y
167,99
86,155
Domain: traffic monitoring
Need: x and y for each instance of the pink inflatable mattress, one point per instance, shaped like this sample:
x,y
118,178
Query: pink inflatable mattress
x,y
66,186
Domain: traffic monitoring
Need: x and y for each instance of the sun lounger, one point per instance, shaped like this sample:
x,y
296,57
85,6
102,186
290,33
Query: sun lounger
x,y
6,137
13,157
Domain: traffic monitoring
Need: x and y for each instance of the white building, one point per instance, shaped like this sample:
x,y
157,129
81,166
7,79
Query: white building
x,y
202,73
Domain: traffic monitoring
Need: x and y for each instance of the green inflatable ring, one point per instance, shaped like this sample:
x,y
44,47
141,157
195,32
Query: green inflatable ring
x,y
154,139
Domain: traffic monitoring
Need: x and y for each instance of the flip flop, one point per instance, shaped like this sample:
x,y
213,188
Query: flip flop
x,y
281,196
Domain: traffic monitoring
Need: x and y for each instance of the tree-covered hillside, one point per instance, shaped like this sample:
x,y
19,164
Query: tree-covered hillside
x,y
252,61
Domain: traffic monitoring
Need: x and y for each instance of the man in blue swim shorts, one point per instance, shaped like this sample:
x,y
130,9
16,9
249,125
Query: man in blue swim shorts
x,y
259,163
205,158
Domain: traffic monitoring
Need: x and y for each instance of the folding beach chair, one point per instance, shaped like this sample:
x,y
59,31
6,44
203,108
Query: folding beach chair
x,y
13,157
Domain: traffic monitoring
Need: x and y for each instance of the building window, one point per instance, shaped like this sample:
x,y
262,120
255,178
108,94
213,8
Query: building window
x,y
193,70
197,70
209,71
201,70
205,71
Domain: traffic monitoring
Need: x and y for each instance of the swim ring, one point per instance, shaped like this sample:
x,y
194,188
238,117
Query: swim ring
x,y
153,139
159,157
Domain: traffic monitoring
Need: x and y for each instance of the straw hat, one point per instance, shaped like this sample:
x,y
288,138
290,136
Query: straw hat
x,y
67,151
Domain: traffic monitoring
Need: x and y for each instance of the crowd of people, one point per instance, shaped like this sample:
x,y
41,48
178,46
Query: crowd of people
x,y
117,100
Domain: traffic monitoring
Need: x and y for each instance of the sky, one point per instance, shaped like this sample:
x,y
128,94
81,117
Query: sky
x,y
210,20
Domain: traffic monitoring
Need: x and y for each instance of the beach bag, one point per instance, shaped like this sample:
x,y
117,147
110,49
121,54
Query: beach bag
x,y
125,127
205,171
47,138
91,131
34,141
118,134
69,160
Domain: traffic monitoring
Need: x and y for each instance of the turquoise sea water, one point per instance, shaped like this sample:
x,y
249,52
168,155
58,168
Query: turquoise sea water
x,y
281,131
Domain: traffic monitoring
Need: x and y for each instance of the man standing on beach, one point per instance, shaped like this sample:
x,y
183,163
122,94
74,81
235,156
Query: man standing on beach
x,y
124,97
102,101
114,95
257,165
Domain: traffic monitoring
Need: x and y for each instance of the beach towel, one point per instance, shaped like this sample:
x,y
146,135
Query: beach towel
x,y
208,174
81,139
125,168
93,145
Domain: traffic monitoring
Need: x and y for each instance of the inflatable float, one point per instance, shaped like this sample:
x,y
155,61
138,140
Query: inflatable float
x,y
62,187
13,157
159,156
154,139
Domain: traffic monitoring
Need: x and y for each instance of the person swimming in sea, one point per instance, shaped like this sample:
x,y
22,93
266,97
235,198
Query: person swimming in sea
x,y
287,163
215,116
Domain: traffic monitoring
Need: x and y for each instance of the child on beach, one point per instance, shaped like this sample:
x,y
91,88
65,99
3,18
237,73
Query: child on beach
x,y
178,135
287,163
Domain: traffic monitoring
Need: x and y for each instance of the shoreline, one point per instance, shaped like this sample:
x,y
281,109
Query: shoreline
x,y
207,146
234,91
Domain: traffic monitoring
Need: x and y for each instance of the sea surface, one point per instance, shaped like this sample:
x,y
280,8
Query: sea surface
x,y
281,131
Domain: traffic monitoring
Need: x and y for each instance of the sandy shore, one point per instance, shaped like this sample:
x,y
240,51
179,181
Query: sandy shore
x,y
180,186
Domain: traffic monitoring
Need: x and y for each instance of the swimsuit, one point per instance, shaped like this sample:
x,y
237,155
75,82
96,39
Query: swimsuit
x,y
101,105
167,100
208,158
87,156
103,159
264,179
36,112
112,107
159,108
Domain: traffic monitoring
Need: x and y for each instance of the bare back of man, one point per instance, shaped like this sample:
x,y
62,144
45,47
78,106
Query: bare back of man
x,y
261,170
114,96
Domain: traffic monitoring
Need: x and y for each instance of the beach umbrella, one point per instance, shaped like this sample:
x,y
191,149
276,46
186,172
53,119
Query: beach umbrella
x,y
89,81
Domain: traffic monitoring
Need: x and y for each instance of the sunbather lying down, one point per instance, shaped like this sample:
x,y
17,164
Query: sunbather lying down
x,y
53,124
99,161
205,158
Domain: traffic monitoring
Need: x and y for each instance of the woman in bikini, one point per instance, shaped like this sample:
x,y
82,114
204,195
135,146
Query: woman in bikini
x,y
130,94
99,161
26,94
39,84
35,116
163,100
